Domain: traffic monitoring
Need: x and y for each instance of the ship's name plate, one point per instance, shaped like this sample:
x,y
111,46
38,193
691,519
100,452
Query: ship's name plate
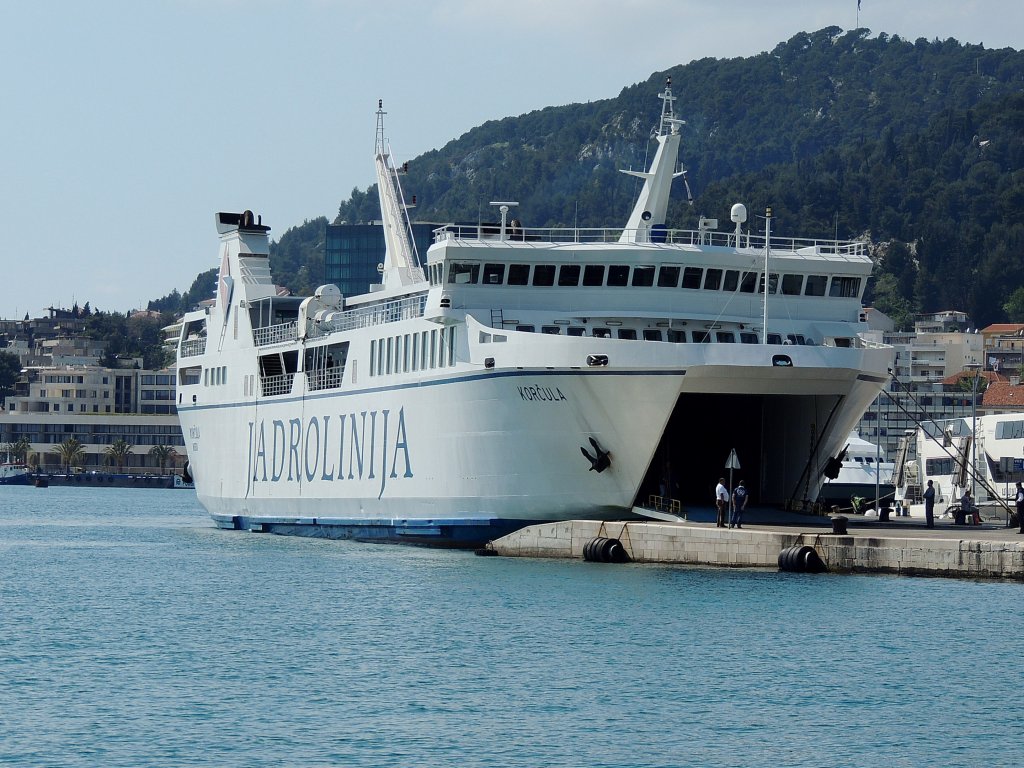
x,y
533,393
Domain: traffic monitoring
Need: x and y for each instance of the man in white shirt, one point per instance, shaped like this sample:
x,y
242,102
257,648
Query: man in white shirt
x,y
721,501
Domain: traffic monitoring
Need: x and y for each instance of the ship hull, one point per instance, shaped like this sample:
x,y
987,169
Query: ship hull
x,y
462,459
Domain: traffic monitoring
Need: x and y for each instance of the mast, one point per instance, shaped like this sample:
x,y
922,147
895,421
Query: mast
x,y
652,205
401,264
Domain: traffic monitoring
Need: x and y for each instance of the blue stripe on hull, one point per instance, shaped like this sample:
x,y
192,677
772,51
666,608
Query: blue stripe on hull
x,y
459,533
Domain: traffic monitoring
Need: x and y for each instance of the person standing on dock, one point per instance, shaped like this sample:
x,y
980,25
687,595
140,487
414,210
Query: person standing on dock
x,y
739,503
1020,506
929,506
721,501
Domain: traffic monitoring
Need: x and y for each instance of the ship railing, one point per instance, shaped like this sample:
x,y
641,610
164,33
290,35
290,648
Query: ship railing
x,y
280,384
406,308
193,347
528,236
325,379
275,334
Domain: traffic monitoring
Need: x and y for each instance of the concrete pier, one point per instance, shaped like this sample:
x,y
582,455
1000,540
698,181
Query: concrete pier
x,y
953,551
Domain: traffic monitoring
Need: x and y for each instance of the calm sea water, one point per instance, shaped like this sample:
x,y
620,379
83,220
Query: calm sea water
x,y
132,633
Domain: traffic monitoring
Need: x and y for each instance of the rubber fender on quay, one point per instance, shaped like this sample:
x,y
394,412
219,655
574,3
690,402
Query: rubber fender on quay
x,y
602,549
589,553
801,559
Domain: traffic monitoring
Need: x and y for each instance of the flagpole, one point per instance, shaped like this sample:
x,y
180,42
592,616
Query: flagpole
x,y
858,14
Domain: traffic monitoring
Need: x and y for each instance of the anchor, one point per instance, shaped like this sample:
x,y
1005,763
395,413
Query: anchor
x,y
599,462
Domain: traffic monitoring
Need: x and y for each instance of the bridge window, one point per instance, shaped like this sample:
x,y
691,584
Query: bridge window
x,y
815,285
652,334
692,276
845,287
677,337
748,338
544,274
460,273
668,277
618,275
494,274
569,275
701,337
713,280
553,330
725,337
732,280
575,331
791,284
518,274
643,277
773,283
749,282
627,333
593,275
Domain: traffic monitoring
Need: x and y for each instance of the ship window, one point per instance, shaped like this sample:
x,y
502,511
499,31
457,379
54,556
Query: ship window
x,y
602,333
575,331
544,274
494,274
731,281
433,348
451,346
553,330
774,338
643,277
692,276
668,277
525,328
569,274
593,275
701,337
791,284
380,357
1010,430
713,279
618,274
652,334
423,350
773,283
677,337
749,282
627,333
405,354
845,287
463,273
387,356
748,338
815,285
933,467
518,274
725,337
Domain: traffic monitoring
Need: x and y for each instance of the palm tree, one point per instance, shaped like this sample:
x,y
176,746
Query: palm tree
x,y
162,453
19,449
71,453
118,452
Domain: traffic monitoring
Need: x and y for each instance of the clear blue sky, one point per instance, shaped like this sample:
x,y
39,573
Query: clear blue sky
x,y
125,124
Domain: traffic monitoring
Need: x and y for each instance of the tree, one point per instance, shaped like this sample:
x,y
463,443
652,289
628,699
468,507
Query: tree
x,y
71,453
118,452
1014,306
10,369
19,449
163,454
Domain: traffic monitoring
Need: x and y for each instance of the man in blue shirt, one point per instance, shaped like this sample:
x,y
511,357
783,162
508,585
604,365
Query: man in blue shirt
x,y
739,503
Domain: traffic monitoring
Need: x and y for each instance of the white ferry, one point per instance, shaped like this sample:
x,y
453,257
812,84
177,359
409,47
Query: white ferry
x,y
524,375
944,452
864,473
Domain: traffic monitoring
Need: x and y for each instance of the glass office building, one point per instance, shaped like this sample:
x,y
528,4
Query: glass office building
x,y
354,251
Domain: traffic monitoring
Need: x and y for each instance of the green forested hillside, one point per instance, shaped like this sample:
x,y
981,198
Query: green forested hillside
x,y
914,145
